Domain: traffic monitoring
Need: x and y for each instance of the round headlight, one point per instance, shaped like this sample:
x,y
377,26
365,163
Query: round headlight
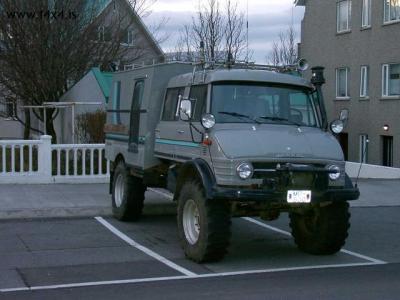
x,y
244,170
337,126
208,121
336,172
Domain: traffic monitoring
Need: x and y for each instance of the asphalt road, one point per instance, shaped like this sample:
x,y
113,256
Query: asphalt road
x,y
88,258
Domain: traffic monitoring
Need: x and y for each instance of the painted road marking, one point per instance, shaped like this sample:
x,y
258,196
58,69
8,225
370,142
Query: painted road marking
x,y
156,279
372,260
188,274
169,195
144,249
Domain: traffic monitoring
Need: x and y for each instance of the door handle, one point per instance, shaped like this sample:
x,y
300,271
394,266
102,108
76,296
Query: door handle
x,y
181,131
157,130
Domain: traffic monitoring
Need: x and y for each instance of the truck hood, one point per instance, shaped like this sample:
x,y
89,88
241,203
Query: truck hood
x,y
278,141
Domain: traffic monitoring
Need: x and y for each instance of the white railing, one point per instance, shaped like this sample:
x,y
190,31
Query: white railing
x,y
24,162
76,161
17,148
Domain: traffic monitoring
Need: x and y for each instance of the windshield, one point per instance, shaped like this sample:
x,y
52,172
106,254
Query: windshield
x,y
262,103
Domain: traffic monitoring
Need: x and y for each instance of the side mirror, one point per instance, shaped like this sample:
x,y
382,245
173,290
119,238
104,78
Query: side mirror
x,y
185,110
344,115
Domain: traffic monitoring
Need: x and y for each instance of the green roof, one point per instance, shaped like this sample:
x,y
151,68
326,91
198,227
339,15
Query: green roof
x,y
104,80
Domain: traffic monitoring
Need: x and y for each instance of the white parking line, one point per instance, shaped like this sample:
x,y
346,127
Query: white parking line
x,y
169,195
156,279
149,252
188,274
370,259
267,226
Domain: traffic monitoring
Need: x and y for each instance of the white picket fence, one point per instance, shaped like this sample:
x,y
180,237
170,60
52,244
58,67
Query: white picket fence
x,y
40,162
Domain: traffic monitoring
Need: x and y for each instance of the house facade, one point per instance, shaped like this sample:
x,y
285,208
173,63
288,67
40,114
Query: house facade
x,y
358,43
140,47
88,95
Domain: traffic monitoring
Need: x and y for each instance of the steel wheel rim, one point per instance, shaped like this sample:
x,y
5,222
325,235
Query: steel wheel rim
x,y
119,190
191,221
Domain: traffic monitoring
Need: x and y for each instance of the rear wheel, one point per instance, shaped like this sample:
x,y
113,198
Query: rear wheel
x,y
127,195
203,225
321,230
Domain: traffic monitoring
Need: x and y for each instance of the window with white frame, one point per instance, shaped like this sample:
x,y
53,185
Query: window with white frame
x,y
363,149
7,109
101,33
392,10
391,80
364,82
342,77
343,15
366,13
130,37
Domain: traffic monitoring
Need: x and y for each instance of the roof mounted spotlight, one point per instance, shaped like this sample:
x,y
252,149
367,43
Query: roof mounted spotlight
x,y
318,78
302,65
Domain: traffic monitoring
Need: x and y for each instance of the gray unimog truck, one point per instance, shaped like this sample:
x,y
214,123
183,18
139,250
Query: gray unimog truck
x,y
229,142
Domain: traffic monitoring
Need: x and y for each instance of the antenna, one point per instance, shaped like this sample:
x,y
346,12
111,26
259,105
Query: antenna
x,y
247,33
362,161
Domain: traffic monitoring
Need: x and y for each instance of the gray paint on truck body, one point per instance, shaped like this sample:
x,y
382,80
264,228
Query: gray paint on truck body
x,y
233,142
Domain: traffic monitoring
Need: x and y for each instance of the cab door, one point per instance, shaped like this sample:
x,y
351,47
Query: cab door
x,y
189,138
174,137
167,129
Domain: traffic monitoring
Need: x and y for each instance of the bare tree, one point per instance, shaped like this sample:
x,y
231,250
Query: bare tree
x,y
284,51
142,7
221,31
235,39
47,45
208,28
183,48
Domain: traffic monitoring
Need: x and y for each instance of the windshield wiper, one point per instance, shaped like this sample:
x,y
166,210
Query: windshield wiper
x,y
235,114
279,119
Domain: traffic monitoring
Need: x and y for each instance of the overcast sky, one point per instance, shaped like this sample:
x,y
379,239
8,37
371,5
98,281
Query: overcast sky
x,y
266,19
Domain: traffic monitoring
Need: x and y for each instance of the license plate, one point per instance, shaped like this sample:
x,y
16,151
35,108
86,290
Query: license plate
x,y
299,196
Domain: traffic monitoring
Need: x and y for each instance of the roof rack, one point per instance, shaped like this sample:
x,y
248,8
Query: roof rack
x,y
301,66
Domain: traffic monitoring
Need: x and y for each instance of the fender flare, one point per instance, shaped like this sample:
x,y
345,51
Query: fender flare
x,y
348,182
196,168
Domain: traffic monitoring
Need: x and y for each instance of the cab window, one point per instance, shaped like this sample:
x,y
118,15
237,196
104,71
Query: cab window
x,y
170,104
198,97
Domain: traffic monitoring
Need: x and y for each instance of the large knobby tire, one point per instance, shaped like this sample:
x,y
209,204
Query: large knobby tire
x,y
204,225
321,230
127,195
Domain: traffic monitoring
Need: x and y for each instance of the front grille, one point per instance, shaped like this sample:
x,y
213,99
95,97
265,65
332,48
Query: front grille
x,y
284,180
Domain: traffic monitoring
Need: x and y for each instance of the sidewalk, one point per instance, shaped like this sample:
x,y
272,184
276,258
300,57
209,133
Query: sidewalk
x,y
378,192
77,200
68,200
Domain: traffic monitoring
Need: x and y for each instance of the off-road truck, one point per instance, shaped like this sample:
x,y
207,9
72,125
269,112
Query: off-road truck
x,y
229,142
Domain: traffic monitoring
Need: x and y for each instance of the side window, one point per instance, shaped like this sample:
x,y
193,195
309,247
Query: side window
x,y
198,96
135,115
170,104
116,103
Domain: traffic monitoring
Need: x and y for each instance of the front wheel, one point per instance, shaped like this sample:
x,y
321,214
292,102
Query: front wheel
x,y
203,224
127,195
321,230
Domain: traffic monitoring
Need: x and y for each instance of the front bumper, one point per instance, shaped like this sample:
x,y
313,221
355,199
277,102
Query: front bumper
x,y
279,197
